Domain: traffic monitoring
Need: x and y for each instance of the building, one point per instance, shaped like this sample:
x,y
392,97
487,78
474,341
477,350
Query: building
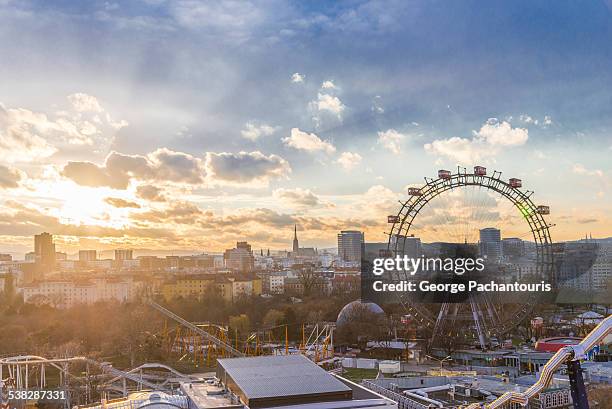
x,y
269,381
300,252
87,255
152,263
6,257
188,286
124,254
277,284
240,258
296,245
490,243
283,381
350,246
230,288
44,251
67,293
410,245
513,247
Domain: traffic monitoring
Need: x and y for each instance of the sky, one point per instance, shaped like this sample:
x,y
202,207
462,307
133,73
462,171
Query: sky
x,y
191,125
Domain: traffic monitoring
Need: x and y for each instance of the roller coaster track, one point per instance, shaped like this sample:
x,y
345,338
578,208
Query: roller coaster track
x,y
204,334
565,354
104,367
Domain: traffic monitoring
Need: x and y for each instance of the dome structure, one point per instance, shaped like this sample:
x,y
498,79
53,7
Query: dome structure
x,y
352,309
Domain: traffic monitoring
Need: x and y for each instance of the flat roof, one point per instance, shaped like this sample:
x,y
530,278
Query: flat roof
x,y
294,377
206,396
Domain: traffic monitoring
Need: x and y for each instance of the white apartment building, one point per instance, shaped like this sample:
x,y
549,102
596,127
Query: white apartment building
x,y
277,284
67,293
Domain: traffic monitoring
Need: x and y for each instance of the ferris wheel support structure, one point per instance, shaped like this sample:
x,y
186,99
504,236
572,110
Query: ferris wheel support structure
x,y
486,319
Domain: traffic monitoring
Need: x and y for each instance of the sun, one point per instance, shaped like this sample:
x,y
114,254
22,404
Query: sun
x,y
79,205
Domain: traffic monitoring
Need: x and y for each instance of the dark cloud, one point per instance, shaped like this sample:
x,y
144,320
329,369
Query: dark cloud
x,y
246,167
162,165
150,193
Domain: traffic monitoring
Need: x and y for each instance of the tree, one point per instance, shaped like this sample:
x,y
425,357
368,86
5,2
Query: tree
x,y
273,317
241,323
308,279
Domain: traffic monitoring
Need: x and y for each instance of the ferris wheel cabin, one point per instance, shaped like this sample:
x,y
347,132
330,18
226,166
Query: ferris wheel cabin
x,y
543,209
444,174
480,171
514,182
414,191
392,219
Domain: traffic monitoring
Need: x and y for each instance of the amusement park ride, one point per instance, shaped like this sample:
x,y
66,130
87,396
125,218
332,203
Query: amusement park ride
x,y
203,343
206,342
80,377
486,318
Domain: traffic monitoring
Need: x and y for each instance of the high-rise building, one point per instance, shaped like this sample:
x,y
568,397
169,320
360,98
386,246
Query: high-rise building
x,y
88,255
350,245
124,254
240,258
490,243
44,251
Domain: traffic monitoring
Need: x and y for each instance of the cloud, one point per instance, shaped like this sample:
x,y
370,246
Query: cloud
x,y
349,160
10,177
180,212
579,169
297,77
162,165
328,85
528,119
253,131
391,140
20,136
150,193
300,197
328,103
27,136
308,142
497,133
245,168
84,103
121,203
542,123
19,220
484,144
377,105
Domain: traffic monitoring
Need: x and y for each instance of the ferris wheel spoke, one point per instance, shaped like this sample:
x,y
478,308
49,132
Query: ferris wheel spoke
x,y
454,209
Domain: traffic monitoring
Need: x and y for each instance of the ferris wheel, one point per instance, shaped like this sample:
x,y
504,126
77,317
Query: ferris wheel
x,y
480,317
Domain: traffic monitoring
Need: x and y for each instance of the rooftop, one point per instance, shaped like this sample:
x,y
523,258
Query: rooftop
x,y
277,380
208,395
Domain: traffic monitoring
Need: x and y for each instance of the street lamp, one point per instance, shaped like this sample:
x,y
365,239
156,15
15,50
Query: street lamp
x,y
448,358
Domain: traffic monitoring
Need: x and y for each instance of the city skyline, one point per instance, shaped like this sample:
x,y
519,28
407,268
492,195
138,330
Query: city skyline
x,y
152,126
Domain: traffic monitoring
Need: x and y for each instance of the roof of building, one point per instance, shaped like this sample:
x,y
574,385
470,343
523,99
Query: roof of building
x,y
280,376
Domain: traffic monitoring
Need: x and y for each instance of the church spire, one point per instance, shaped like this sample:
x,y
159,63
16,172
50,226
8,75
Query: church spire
x,y
296,246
